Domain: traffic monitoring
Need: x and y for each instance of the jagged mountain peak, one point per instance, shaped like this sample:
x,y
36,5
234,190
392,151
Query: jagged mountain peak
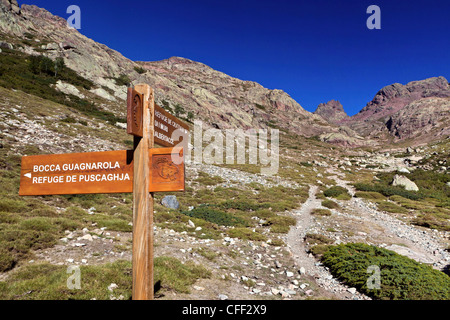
x,y
332,111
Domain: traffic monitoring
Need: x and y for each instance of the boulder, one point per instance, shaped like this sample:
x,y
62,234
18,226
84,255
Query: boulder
x,y
15,7
404,182
6,45
170,202
68,88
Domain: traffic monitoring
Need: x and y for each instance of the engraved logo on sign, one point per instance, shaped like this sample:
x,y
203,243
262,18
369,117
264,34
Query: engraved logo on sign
x,y
136,111
166,169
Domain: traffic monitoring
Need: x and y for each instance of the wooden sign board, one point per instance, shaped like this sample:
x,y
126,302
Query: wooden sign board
x,y
166,169
135,102
97,172
165,125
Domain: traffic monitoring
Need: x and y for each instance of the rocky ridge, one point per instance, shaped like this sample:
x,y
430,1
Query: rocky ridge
x,y
397,112
217,99
332,111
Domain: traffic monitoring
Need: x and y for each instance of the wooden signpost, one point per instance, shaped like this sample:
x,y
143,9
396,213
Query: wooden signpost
x,y
165,125
143,170
98,172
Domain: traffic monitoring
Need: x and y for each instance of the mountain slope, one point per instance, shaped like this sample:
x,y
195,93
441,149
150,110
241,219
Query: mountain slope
x,y
217,99
212,96
399,112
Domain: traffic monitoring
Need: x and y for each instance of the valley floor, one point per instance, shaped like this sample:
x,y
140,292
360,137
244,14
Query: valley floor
x,y
243,269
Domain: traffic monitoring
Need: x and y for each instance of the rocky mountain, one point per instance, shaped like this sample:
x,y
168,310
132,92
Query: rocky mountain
x,y
227,102
212,96
332,111
234,233
391,99
422,119
397,112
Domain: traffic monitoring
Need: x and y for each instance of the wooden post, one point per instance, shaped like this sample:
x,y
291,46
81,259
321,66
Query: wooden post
x,y
143,203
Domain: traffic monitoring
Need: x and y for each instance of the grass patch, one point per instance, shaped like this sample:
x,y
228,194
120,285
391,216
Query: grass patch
x,y
280,224
207,180
388,190
401,277
337,192
27,73
391,207
246,234
49,282
176,276
215,216
315,239
321,212
330,204
207,253
430,204
429,220
318,250
370,195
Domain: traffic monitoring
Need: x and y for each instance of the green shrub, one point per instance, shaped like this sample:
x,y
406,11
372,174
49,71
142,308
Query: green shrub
x,y
246,234
139,70
179,110
242,205
315,238
6,217
370,195
122,80
330,204
216,216
207,180
391,207
388,190
280,224
37,75
401,277
428,220
335,192
431,184
319,249
321,212
259,106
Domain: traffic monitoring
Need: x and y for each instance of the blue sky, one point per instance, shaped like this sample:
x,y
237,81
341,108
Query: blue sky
x,y
314,50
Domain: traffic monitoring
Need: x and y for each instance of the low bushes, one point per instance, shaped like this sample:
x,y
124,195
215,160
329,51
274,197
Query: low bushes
x,y
391,207
49,282
370,195
401,277
216,216
337,192
388,190
321,212
330,204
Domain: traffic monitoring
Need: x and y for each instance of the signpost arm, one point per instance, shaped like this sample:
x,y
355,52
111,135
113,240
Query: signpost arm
x,y
143,205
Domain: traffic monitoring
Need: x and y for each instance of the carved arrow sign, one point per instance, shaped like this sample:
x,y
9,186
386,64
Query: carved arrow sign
x,y
98,172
